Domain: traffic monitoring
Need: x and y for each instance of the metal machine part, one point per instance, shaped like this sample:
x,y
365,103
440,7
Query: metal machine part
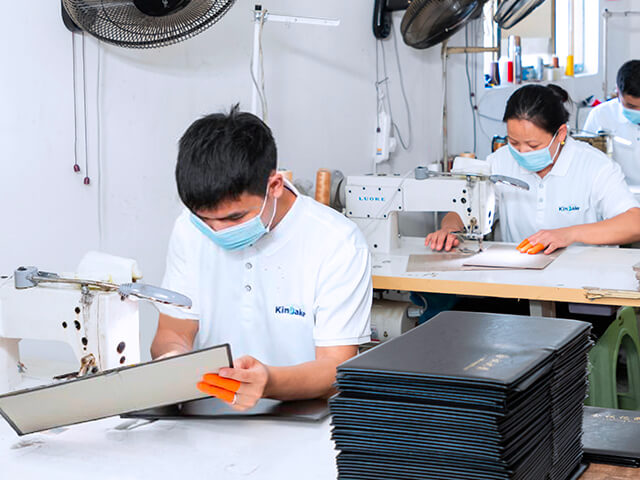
x,y
602,141
390,319
99,320
374,202
27,277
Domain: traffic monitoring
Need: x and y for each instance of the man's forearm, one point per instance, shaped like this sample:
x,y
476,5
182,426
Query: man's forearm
x,y
313,379
160,348
174,336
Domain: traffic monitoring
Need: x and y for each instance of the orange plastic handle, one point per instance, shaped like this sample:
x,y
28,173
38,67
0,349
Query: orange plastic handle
x,y
221,393
218,381
536,249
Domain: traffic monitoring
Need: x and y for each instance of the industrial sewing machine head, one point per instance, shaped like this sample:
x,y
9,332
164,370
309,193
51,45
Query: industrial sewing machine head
x,y
373,202
94,311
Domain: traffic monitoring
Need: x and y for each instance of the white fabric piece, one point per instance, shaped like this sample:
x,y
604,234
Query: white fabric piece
x,y
584,186
307,283
626,143
109,268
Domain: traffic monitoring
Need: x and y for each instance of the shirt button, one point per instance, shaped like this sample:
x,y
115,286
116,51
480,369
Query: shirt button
x,y
542,185
540,200
248,265
247,288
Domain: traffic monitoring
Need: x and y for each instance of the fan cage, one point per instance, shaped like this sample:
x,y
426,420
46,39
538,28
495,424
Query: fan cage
x,y
121,23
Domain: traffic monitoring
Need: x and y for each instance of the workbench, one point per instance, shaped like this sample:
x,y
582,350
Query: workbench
x,y
121,449
564,280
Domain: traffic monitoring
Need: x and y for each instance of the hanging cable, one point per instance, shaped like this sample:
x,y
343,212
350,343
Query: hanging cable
x,y
98,148
76,167
404,96
470,90
87,181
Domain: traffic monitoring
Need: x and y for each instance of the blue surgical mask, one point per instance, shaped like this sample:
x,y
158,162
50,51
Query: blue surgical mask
x,y
535,160
238,236
632,115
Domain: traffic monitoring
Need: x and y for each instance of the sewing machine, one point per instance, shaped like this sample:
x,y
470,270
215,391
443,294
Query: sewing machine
x,y
373,202
94,311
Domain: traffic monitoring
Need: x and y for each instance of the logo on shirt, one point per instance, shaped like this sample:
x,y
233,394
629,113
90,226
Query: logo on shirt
x,y
569,208
291,310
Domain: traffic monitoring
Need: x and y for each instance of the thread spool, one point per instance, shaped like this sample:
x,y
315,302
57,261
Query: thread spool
x,y
323,186
288,174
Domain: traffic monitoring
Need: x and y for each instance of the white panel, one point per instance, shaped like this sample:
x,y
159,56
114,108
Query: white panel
x,y
113,392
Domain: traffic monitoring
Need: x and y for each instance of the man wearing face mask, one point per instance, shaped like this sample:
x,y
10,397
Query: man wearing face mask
x,y
621,118
577,195
283,279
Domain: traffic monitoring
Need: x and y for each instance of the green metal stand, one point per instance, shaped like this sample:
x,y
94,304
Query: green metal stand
x,y
611,385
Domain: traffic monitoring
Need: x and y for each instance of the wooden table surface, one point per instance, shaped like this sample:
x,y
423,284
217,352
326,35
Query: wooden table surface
x,y
564,280
597,471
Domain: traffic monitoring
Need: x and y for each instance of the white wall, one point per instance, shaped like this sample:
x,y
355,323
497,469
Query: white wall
x,y
320,88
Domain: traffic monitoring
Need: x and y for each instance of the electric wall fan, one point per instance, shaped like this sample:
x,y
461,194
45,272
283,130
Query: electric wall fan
x,y
143,23
425,22
510,12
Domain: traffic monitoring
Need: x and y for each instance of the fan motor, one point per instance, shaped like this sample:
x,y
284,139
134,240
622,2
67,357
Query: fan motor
x,y
160,8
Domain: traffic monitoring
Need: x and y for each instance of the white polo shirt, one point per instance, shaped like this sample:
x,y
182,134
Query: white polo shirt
x,y
305,284
584,186
608,117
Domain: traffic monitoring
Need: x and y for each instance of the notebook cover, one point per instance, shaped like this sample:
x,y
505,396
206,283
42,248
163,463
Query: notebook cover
x,y
112,392
500,349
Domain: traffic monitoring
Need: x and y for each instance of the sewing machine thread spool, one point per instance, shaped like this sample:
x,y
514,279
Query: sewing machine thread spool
x,y
323,186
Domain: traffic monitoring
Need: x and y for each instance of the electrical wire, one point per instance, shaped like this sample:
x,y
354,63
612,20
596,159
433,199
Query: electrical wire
x,y
98,148
470,90
380,52
76,167
84,97
404,96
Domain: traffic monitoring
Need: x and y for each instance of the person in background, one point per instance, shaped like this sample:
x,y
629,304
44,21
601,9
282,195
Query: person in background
x,y
285,280
620,117
577,194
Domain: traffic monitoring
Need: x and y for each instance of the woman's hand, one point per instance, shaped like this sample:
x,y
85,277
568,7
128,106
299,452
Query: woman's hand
x,y
442,238
553,239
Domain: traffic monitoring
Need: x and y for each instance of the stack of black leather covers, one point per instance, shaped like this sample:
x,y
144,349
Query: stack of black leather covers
x,y
465,395
612,436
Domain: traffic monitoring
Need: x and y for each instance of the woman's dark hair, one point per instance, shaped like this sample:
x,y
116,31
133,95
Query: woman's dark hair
x,y
223,156
541,105
628,79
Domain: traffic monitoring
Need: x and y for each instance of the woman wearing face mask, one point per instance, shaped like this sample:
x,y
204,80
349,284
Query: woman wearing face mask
x,y
577,194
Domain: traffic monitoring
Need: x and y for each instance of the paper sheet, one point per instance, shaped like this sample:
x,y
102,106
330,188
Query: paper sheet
x,y
494,257
506,256
113,392
440,262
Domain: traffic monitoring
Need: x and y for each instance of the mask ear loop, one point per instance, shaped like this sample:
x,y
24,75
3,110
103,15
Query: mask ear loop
x,y
275,207
560,145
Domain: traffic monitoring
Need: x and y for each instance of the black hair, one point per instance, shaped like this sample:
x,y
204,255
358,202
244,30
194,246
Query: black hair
x,y
541,105
628,78
221,156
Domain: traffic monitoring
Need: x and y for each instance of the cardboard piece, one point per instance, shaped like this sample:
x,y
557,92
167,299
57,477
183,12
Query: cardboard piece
x,y
112,392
